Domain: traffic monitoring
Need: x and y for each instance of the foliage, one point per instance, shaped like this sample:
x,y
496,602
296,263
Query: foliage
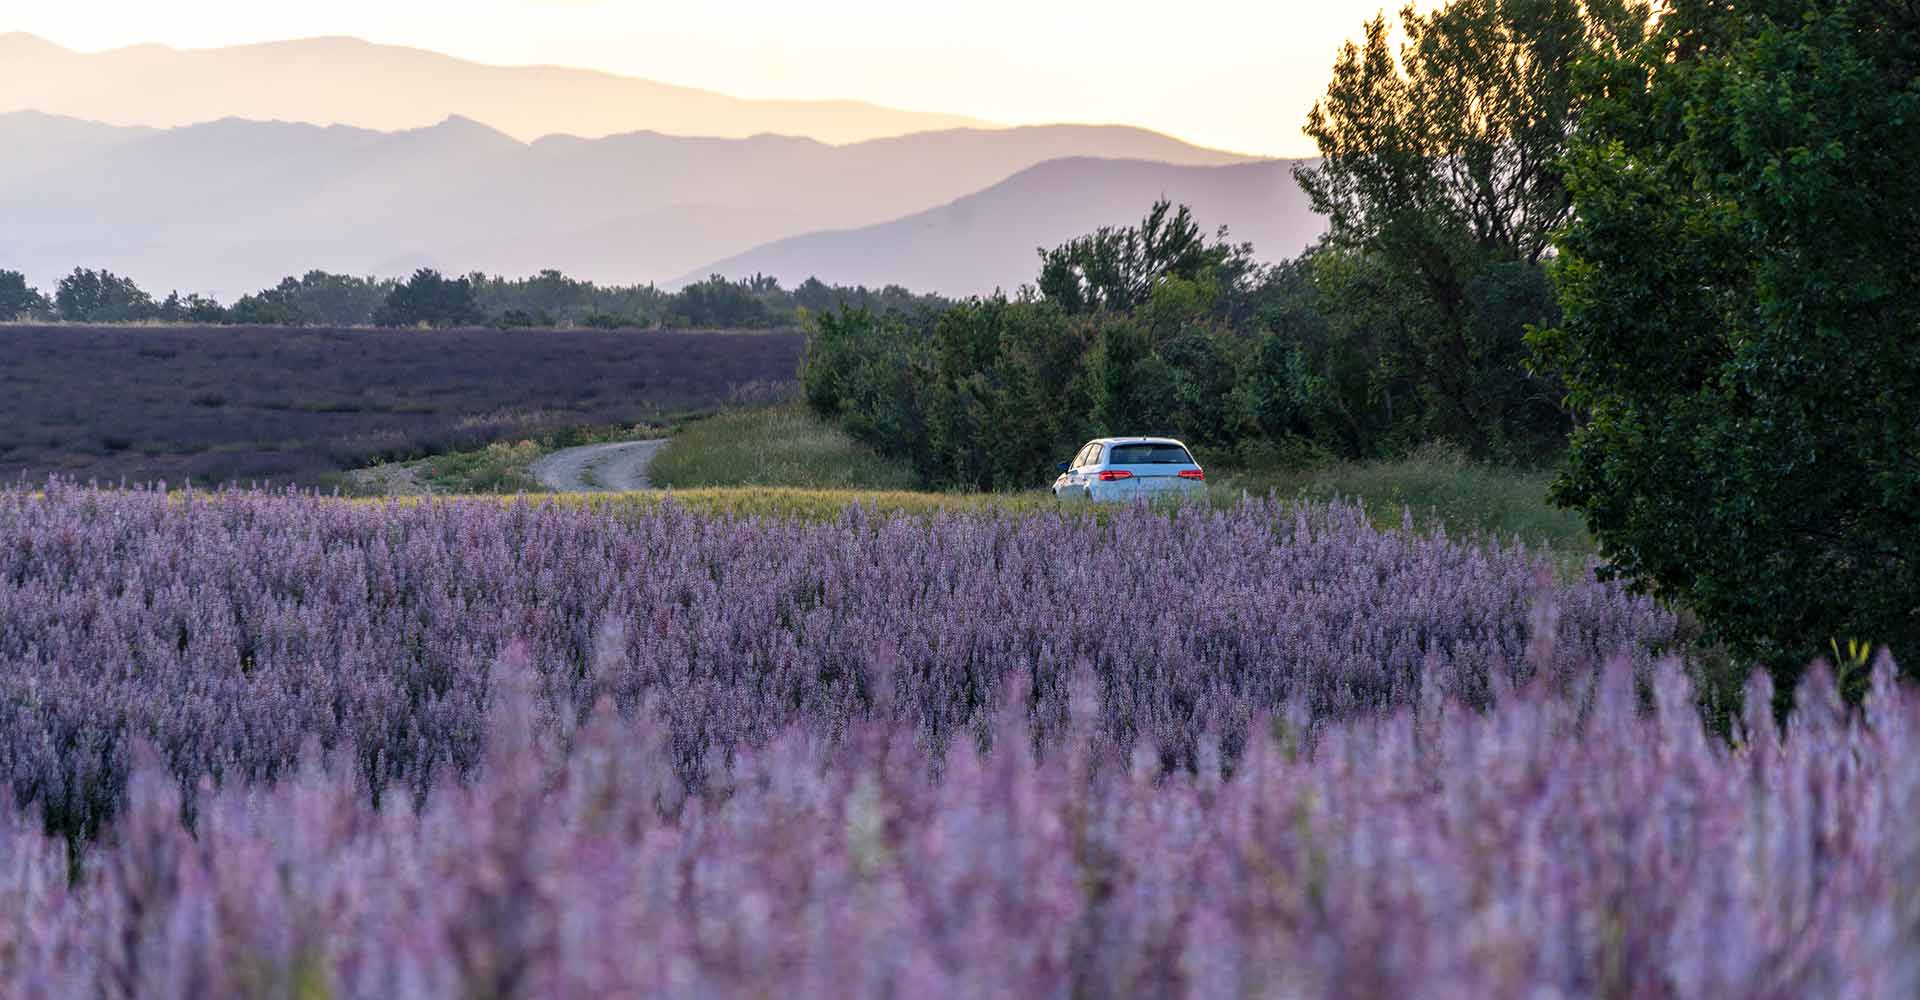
x,y
550,298
1118,269
19,300
314,299
721,304
859,369
1740,316
429,299
1441,182
500,467
192,309
89,296
772,446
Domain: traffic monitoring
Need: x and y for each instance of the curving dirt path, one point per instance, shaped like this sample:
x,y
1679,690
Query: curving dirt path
x,y
598,468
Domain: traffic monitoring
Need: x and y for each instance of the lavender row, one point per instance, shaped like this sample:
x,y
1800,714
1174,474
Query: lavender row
x,y
1567,842
228,629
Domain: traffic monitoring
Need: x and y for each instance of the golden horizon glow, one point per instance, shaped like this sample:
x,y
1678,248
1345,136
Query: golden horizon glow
x,y
1229,74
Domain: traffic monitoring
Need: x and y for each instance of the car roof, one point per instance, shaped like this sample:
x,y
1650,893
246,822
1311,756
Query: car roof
x,y
1138,440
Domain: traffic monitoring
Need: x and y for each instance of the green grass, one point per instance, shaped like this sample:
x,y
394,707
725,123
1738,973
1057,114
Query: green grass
x,y
783,446
501,467
1439,488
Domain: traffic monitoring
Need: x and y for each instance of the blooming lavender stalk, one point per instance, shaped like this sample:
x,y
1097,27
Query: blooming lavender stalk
x,y
280,746
226,630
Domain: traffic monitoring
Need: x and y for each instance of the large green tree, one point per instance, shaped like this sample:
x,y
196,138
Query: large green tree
x,y
1742,330
1441,169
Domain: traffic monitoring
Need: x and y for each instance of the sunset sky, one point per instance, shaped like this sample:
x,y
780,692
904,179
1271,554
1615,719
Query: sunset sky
x,y
1233,74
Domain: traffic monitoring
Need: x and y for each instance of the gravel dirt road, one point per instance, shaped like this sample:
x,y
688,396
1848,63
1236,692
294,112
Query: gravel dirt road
x,y
598,468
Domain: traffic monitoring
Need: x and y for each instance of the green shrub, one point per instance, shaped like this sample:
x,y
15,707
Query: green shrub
x,y
781,446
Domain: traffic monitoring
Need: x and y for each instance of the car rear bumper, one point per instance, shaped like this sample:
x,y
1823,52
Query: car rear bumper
x,y
1153,488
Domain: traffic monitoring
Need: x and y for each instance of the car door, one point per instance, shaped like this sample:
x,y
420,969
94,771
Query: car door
x,y
1089,467
1074,480
1069,482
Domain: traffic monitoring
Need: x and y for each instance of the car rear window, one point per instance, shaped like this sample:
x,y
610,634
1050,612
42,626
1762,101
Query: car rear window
x,y
1148,454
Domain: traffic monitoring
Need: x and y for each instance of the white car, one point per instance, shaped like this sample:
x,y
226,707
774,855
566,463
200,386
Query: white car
x,y
1130,468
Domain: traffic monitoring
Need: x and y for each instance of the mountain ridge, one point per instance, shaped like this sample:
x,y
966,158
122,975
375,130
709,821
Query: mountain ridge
x,y
313,80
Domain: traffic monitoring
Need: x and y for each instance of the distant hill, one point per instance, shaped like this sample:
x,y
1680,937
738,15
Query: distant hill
x,y
351,82
227,207
36,142
989,240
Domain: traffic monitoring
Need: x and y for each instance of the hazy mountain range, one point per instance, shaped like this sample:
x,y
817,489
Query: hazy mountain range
x,y
231,206
101,173
351,82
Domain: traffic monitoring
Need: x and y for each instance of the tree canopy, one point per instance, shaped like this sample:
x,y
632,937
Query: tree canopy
x,y
1741,308
1440,177
90,296
1117,268
18,298
430,299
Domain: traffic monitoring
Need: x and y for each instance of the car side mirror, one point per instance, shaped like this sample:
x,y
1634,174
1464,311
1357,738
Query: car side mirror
x,y
1061,466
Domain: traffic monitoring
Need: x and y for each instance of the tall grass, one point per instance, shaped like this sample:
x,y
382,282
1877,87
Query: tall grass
x,y
782,446
1438,487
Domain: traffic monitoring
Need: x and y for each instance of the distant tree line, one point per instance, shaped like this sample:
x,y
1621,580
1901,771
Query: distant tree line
x,y
429,299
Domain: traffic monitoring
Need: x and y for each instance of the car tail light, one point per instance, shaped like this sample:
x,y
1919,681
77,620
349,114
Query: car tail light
x,y
1112,474
1192,474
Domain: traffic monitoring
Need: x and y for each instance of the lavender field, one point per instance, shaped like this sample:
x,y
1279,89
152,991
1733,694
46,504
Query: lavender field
x,y
281,746
262,404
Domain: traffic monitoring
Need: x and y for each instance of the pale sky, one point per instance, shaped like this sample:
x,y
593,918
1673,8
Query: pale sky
x,y
1233,74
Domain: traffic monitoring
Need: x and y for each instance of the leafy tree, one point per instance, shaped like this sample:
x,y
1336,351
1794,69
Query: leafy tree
x,y
430,299
89,296
316,298
194,308
1002,392
1132,386
719,303
1118,269
1741,308
1443,164
863,369
19,299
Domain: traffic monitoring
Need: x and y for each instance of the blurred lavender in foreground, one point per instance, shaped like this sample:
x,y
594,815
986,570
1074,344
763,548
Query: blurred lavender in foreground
x,y
1563,844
